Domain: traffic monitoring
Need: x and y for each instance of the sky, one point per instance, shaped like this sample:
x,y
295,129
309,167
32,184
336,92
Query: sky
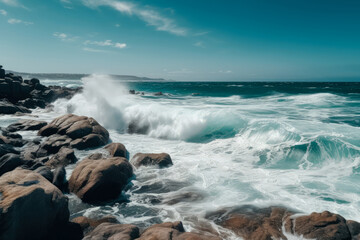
x,y
184,40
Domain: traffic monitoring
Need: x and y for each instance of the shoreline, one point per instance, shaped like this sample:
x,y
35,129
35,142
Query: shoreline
x,y
57,144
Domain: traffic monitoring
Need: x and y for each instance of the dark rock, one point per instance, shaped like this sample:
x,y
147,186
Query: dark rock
x,y
9,162
32,103
134,127
11,135
53,144
158,94
16,142
26,125
6,148
45,172
59,179
2,73
30,207
70,231
320,226
9,108
354,228
146,159
34,81
100,180
88,224
132,91
64,157
85,132
114,231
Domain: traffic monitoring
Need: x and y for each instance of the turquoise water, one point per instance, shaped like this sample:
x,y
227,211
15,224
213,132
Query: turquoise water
x,y
232,144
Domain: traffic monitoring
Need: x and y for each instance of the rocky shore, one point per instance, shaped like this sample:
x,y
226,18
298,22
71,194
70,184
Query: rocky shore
x,y
34,189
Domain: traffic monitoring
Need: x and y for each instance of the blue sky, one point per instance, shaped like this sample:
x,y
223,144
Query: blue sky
x,y
184,40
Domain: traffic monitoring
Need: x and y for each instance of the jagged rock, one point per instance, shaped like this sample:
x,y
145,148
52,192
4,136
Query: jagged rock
x,y
100,180
31,207
64,157
146,159
9,108
26,125
9,162
85,132
113,231
320,226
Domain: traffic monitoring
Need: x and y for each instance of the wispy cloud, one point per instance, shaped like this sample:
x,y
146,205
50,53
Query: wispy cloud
x,y
13,3
147,14
106,43
87,49
199,44
3,12
64,37
201,33
18,21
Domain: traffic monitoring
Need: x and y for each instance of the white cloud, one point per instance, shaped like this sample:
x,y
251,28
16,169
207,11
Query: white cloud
x,y
13,3
150,16
106,43
3,12
117,25
64,37
18,21
66,1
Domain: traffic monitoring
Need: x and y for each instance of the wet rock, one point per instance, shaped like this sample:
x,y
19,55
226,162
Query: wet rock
x,y
114,231
131,91
9,108
354,229
6,148
321,226
116,150
9,162
16,142
64,157
85,132
158,94
31,207
54,143
88,224
2,72
172,231
32,103
26,125
59,179
253,223
134,127
11,135
146,159
45,172
100,180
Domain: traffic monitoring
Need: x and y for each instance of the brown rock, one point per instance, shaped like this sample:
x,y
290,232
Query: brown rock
x,y
116,150
111,231
26,125
88,224
64,157
146,159
253,223
85,132
30,206
100,180
321,226
354,228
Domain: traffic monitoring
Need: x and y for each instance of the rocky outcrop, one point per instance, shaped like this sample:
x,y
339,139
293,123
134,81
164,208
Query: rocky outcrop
x,y
2,72
146,159
31,207
7,107
113,231
253,223
9,162
320,226
82,132
88,224
172,231
26,125
64,157
100,180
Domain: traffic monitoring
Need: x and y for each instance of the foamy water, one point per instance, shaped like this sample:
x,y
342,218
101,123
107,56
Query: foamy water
x,y
276,149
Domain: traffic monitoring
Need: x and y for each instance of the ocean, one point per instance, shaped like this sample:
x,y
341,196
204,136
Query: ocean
x,y
291,144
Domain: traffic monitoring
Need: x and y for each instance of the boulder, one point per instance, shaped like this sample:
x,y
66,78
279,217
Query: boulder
x,y
9,162
59,179
32,103
64,157
9,108
250,222
172,231
2,72
83,131
88,224
146,159
11,134
354,228
31,207
6,148
16,142
54,143
45,172
112,231
320,226
100,180
116,150
26,125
